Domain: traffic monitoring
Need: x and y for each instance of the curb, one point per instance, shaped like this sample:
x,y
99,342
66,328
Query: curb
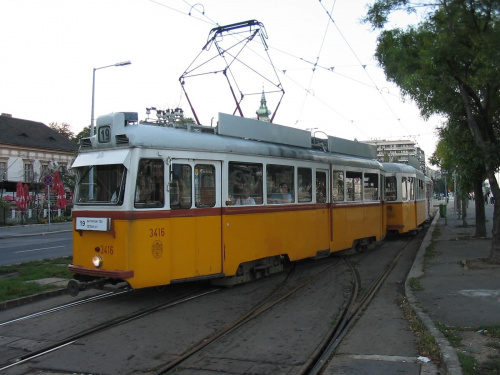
x,y
34,234
34,298
448,355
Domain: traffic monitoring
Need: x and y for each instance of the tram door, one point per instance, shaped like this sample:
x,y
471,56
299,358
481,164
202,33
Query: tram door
x,y
195,203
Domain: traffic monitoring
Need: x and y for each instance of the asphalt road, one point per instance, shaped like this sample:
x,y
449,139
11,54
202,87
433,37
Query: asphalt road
x,y
19,245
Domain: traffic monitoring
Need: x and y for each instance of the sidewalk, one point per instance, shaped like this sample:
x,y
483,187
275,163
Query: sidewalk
x,y
34,230
456,292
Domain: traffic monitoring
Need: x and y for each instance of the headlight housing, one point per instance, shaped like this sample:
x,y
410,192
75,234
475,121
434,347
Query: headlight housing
x,y
97,261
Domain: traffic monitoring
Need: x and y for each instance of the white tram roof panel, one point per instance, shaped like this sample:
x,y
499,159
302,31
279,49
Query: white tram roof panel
x,y
233,134
400,168
241,127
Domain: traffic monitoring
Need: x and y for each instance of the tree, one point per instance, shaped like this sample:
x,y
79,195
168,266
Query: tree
x,y
83,134
449,64
63,129
458,154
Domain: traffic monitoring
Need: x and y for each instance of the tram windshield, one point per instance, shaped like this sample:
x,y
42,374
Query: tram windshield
x,y
100,184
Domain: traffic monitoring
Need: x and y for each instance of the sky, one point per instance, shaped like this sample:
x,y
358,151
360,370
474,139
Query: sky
x,y
319,52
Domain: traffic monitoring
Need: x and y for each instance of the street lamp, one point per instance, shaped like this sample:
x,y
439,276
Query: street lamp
x,y
91,172
93,90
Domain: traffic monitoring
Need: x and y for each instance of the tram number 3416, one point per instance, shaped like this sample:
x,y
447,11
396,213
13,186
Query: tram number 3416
x,y
156,232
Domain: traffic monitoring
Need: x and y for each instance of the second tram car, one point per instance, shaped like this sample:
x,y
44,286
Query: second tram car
x,y
165,202
406,200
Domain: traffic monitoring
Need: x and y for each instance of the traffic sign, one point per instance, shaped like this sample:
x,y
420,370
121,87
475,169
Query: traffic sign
x,y
47,180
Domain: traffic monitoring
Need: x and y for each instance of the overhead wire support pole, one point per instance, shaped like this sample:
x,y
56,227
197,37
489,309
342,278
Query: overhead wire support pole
x,y
234,96
189,101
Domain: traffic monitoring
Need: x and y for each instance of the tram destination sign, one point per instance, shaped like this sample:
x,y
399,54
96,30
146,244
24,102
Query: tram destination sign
x,y
93,223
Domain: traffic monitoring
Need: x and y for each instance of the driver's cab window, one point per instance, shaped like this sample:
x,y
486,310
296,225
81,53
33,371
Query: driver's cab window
x,y
100,184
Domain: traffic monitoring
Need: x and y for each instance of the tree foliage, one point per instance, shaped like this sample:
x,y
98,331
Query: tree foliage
x,y
65,130
83,134
459,155
62,128
448,64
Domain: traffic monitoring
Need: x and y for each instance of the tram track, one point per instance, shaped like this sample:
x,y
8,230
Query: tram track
x,y
254,313
353,307
289,285
66,306
59,344
318,363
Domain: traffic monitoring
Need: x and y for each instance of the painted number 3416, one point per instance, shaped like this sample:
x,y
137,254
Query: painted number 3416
x,y
156,232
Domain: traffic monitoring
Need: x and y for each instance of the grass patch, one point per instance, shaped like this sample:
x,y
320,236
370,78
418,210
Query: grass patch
x,y
450,333
15,279
436,233
430,253
415,284
426,344
470,366
468,363
492,331
490,367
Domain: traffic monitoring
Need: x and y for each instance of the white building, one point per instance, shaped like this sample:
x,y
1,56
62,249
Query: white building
x,y
399,151
28,151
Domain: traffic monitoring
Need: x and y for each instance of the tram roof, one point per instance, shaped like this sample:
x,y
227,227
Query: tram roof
x,y
400,168
233,135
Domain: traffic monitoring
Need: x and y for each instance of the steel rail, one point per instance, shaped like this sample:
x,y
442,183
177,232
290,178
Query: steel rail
x,y
99,328
256,311
338,334
66,306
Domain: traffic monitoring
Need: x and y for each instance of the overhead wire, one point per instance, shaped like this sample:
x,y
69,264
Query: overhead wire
x,y
307,89
364,67
313,70
315,65
184,13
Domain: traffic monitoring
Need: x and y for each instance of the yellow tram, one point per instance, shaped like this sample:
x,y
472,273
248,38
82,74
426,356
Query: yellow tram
x,y
406,201
168,201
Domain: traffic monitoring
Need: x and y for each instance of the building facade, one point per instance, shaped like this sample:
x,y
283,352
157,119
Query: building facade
x,y
399,151
30,150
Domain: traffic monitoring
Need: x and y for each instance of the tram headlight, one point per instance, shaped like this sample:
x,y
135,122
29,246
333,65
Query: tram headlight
x,y
97,261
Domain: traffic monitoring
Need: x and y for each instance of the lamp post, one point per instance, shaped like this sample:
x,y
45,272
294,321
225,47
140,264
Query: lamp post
x,y
93,90
91,172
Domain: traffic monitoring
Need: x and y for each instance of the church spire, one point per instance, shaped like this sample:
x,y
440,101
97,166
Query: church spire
x,y
263,113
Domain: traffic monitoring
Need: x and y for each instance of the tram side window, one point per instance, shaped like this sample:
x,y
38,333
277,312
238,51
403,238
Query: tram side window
x,y
338,186
180,186
371,187
150,184
404,189
245,183
421,189
320,187
304,184
391,190
354,185
411,186
204,182
279,184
